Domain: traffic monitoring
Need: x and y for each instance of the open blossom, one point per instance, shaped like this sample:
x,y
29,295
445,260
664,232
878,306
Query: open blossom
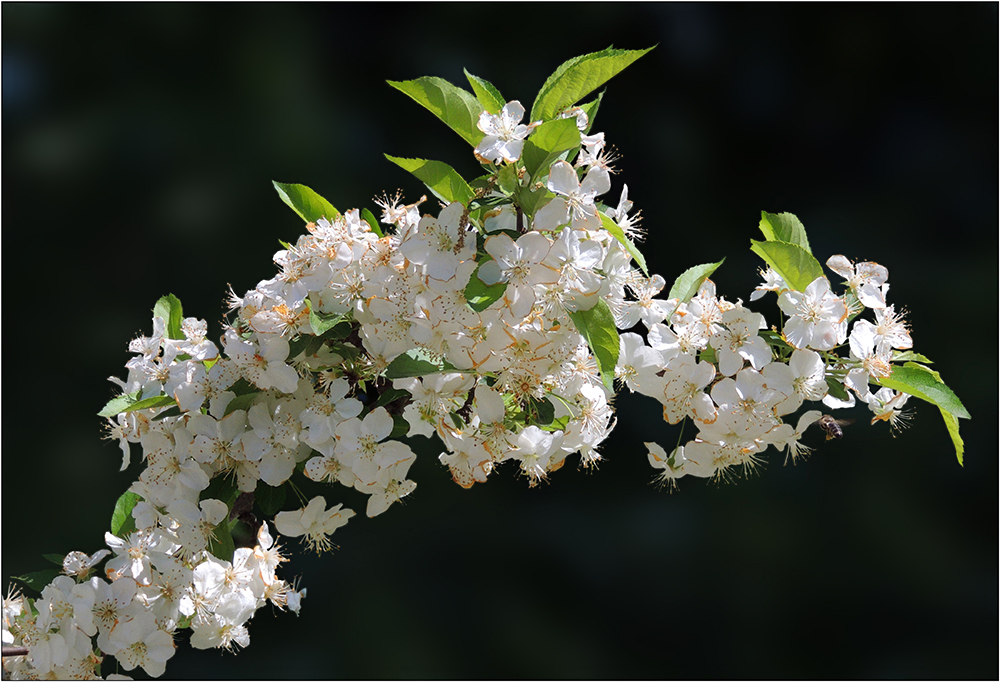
x,y
505,134
574,201
866,280
816,318
314,522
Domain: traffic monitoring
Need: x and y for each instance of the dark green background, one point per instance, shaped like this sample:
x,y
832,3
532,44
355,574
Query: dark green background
x,y
139,146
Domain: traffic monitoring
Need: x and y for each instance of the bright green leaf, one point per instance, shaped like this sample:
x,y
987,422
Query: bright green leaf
x,y
440,178
119,404
488,96
578,77
309,205
456,107
909,355
597,325
796,266
416,362
480,295
784,227
548,142
147,403
837,390
507,178
367,216
122,522
687,284
927,385
322,322
590,108
170,309
613,228
951,421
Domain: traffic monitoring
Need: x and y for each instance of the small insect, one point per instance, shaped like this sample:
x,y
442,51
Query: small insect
x,y
832,426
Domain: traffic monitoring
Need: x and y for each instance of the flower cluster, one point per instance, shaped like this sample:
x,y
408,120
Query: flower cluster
x,y
497,324
155,585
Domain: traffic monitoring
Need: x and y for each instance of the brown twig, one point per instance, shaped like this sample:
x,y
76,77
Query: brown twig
x,y
15,651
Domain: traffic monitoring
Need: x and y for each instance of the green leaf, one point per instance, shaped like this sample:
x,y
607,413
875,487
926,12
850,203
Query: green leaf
x,y
531,200
416,362
925,384
837,390
488,96
391,395
590,108
597,325
304,343
556,424
57,559
543,411
548,142
122,522
612,227
400,427
453,105
323,322
951,421
796,266
241,402
905,356
269,499
174,411
372,223
309,205
37,580
784,227
147,403
480,295
222,488
708,355
507,178
578,77
119,404
440,178
221,545
687,284
170,309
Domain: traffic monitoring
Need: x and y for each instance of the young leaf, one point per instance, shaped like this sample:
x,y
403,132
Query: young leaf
x,y
416,363
590,108
578,77
453,105
612,227
783,227
547,143
927,385
480,295
687,284
119,404
37,580
796,266
400,427
170,309
56,559
951,421
122,522
488,96
147,403
367,216
269,499
309,205
908,355
322,322
597,325
440,178
837,390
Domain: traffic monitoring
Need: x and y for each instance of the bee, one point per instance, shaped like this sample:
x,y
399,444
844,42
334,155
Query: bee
x,y
832,426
